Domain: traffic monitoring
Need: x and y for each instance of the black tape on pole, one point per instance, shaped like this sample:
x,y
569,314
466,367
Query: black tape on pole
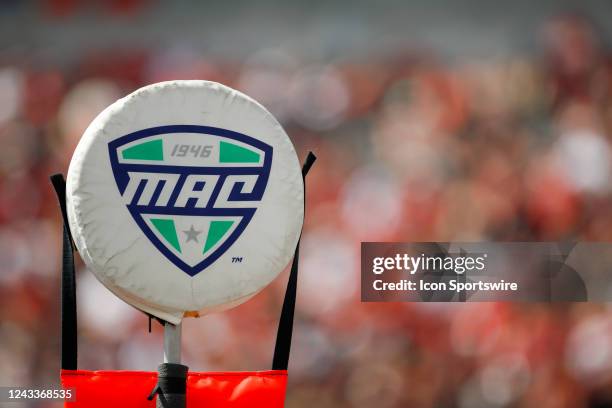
x,y
68,296
171,387
282,349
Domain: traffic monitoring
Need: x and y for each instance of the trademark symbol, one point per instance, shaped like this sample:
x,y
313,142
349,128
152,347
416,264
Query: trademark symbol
x,y
236,259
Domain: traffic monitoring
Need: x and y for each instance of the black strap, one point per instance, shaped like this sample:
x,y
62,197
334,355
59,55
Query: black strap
x,y
69,313
282,349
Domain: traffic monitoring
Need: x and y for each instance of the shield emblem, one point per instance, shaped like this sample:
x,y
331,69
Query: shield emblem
x,y
191,189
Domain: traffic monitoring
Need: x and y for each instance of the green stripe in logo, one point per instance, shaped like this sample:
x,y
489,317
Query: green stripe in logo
x,y
231,153
168,231
216,231
152,150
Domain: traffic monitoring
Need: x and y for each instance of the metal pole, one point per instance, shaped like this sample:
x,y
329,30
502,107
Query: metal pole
x,y
172,343
172,375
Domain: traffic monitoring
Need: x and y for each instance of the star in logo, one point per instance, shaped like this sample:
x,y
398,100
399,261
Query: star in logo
x,y
192,234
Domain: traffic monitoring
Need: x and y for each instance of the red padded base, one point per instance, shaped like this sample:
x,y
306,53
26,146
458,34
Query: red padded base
x,y
130,389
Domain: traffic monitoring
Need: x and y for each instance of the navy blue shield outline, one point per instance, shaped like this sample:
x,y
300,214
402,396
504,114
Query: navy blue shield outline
x,y
243,213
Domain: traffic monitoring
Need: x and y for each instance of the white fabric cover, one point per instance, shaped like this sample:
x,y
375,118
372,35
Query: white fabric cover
x,y
115,248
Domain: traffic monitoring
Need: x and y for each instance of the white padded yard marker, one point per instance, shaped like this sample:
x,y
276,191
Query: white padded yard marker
x,y
185,197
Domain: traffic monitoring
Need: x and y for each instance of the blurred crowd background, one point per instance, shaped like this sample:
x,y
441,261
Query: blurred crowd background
x,y
482,123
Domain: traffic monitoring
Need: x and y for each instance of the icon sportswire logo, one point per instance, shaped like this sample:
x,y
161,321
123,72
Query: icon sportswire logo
x,y
191,189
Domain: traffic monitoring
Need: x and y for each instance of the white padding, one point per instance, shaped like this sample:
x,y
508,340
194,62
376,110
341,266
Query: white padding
x,y
131,252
